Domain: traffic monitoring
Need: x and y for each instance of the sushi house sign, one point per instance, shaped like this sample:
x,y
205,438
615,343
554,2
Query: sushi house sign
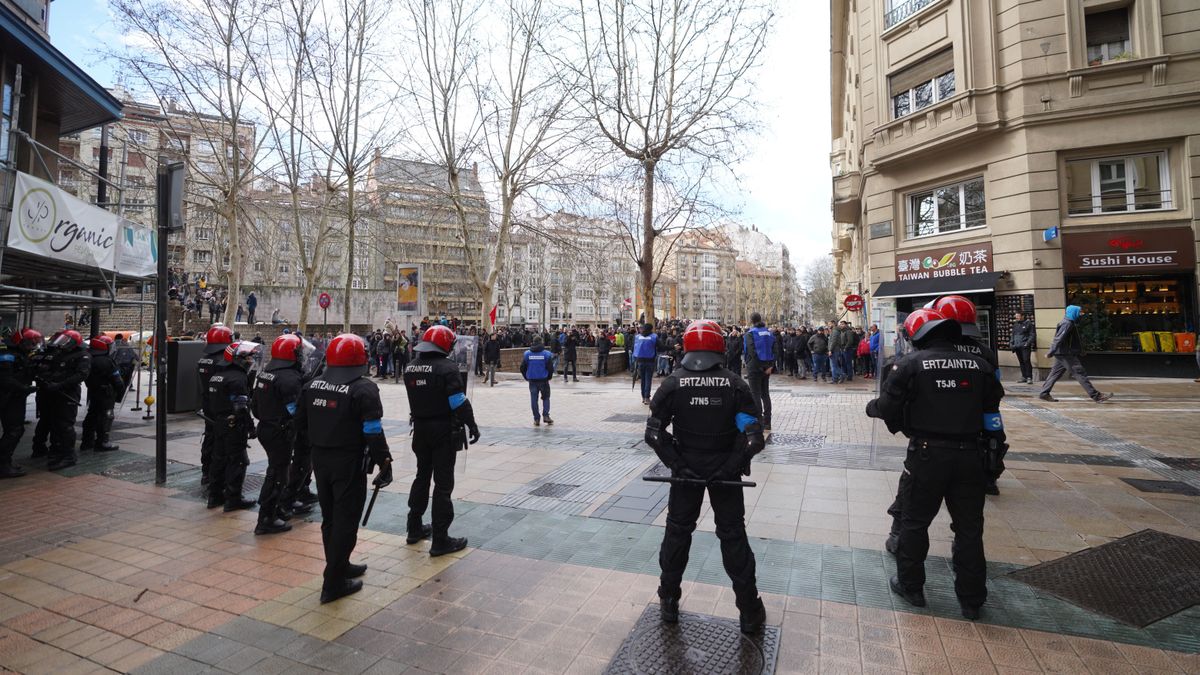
x,y
939,263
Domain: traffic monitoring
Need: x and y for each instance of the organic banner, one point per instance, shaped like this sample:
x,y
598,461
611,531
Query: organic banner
x,y
137,251
49,222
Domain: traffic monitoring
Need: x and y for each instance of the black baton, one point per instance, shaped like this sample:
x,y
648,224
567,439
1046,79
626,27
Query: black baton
x,y
699,481
370,505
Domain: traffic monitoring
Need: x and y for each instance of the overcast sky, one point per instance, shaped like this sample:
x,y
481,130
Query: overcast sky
x,y
785,179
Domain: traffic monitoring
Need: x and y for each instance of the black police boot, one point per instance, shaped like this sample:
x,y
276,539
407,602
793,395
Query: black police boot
x,y
271,527
1047,397
215,500
38,451
11,471
418,533
107,447
970,612
62,462
753,617
238,504
914,598
307,496
355,571
991,488
447,545
340,589
668,609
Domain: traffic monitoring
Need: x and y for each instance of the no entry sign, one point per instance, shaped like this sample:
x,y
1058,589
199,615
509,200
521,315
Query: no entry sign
x,y
323,300
853,303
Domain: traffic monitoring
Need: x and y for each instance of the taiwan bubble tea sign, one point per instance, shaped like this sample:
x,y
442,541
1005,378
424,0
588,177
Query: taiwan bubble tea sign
x,y
951,261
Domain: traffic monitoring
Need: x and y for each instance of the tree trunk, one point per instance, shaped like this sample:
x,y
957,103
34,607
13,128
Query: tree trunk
x,y
349,252
648,236
233,276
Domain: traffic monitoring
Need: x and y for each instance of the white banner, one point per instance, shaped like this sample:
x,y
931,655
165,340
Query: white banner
x,y
137,250
51,223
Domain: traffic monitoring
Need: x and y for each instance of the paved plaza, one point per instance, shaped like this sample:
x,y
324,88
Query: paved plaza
x,y
100,570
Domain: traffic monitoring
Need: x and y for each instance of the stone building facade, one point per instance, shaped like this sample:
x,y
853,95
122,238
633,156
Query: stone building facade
x,y
1028,155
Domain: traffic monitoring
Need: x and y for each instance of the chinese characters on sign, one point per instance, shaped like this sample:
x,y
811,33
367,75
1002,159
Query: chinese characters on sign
x,y
955,261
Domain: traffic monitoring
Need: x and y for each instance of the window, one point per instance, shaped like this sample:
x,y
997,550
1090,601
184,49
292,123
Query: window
x,y
922,84
283,268
6,101
139,136
204,233
948,208
202,257
1118,184
358,283
258,265
1107,36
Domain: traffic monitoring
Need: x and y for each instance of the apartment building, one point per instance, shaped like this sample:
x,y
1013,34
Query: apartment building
x,y
761,290
1027,154
703,265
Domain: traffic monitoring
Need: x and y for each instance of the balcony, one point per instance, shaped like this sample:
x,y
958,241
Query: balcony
x,y
903,10
847,197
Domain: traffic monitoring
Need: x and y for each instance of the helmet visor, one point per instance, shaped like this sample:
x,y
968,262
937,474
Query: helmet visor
x,y
62,341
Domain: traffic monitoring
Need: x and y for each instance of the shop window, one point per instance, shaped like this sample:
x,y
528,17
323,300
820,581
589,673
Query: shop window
x,y
922,84
1118,312
948,208
1108,36
1118,184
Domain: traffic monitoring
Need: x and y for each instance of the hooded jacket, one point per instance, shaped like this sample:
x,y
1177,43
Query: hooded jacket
x,y
537,364
1066,340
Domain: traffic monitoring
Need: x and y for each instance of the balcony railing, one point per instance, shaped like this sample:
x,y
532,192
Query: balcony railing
x,y
904,10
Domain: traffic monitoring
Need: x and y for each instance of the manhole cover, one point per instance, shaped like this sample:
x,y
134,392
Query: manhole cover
x,y
1137,580
1166,487
1184,463
553,490
135,467
697,644
626,417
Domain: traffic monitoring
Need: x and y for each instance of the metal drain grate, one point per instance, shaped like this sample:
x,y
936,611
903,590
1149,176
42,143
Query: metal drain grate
x,y
627,417
1165,487
1183,463
131,469
1137,580
798,440
697,644
553,490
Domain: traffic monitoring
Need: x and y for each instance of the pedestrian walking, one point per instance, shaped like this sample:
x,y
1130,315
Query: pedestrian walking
x,y
645,350
946,402
1022,345
759,348
716,432
1065,349
442,418
537,367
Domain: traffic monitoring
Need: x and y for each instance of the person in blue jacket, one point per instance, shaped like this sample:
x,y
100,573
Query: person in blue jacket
x,y
645,350
537,367
758,345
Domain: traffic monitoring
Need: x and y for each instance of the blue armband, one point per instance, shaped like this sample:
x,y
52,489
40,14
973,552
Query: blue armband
x,y
6,358
457,400
743,420
997,374
291,408
373,427
992,422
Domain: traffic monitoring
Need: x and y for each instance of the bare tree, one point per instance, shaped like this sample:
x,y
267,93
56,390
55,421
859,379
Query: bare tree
x,y
663,78
194,58
822,291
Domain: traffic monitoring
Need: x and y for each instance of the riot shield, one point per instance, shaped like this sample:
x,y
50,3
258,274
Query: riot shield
x,y
463,354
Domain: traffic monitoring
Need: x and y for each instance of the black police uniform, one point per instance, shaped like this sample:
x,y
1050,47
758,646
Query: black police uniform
x,y
226,403
946,401
39,368
276,395
62,373
342,415
15,385
206,365
104,383
705,403
440,409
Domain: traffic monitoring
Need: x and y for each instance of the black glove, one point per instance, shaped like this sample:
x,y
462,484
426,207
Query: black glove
x,y
474,430
682,470
384,478
51,386
251,431
378,453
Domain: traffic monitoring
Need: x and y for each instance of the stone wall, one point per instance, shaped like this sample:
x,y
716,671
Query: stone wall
x,y
510,360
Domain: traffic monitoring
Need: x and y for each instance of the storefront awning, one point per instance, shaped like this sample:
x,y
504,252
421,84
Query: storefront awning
x,y
65,91
968,283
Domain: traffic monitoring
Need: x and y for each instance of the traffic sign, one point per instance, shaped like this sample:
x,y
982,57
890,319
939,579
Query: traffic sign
x,y
853,303
323,300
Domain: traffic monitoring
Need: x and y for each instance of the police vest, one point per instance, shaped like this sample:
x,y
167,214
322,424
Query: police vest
x,y
764,344
225,385
947,393
103,376
336,412
704,406
429,383
537,365
971,346
68,366
274,392
645,346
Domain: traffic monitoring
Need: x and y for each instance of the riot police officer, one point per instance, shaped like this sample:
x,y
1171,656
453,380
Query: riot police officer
x,y
276,393
759,348
216,340
961,310
342,415
945,401
227,406
104,385
16,382
716,432
62,373
39,366
440,412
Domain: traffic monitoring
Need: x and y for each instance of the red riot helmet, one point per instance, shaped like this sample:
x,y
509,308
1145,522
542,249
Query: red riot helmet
x,y
28,339
70,339
345,359
436,339
217,338
101,344
703,346
922,322
242,353
288,350
957,308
